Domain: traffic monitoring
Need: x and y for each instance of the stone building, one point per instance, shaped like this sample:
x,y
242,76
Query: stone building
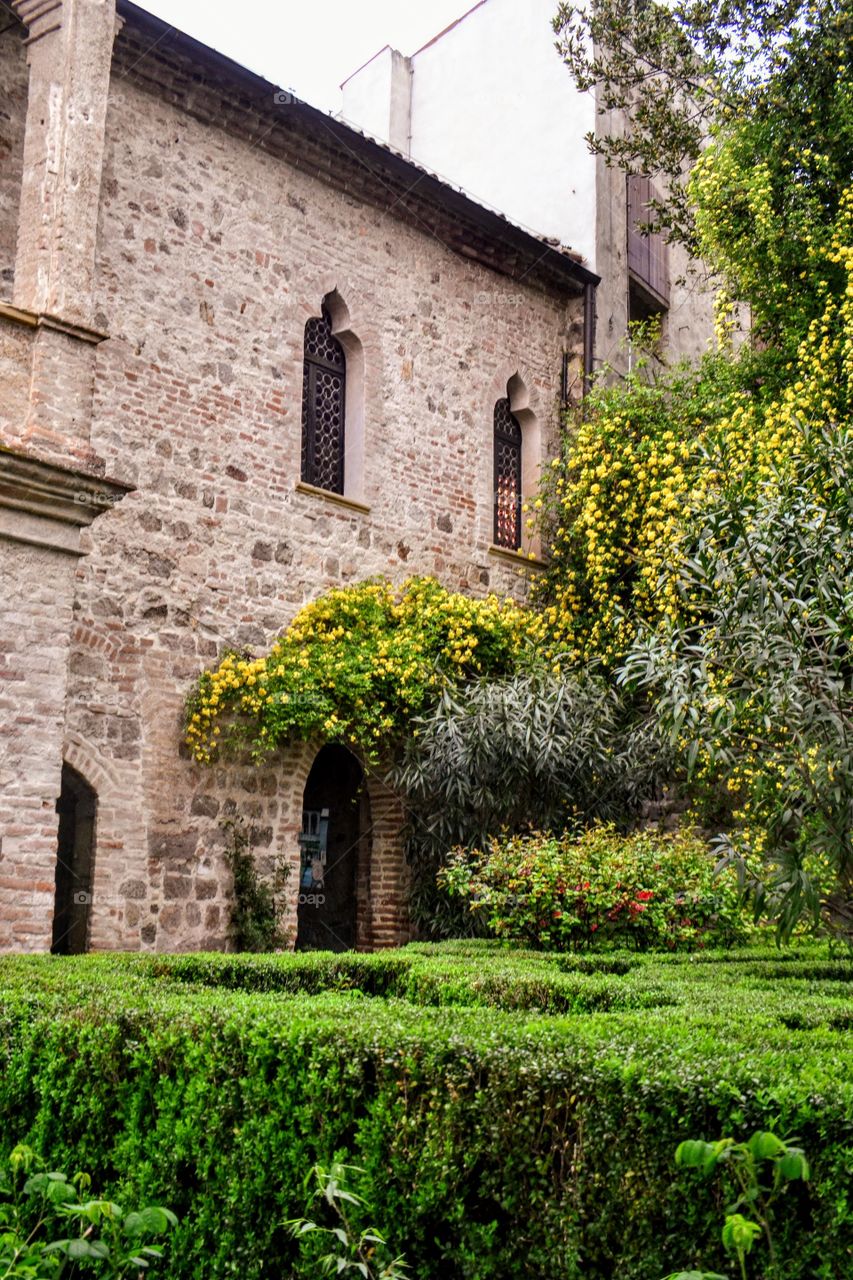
x,y
246,354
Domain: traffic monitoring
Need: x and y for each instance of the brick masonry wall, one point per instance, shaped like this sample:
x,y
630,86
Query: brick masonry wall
x,y
35,627
212,255
16,354
13,107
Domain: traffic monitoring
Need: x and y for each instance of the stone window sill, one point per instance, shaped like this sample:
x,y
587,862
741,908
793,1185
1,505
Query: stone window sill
x,y
520,558
339,499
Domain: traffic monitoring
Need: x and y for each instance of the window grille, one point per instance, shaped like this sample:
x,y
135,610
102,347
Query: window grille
x,y
507,446
323,406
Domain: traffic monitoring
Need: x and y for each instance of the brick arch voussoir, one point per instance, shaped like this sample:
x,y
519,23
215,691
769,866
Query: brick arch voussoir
x,y
86,637
86,760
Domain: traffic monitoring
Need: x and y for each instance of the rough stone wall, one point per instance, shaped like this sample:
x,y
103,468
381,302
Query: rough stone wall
x,y
211,257
16,359
13,109
35,625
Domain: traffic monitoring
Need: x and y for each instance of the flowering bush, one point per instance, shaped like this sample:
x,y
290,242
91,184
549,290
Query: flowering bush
x,y
646,457
355,665
752,675
565,892
615,501
639,468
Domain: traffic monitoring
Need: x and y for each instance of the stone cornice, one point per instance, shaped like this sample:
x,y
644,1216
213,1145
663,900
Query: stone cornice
x,y
47,505
34,320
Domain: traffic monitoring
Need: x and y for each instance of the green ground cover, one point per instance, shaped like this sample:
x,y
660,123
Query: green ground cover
x,y
515,1114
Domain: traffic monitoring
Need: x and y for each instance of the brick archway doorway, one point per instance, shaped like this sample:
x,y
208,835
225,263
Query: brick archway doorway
x,y
333,852
75,857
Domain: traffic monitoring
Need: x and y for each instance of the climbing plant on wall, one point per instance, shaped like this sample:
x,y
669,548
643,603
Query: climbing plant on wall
x,y
355,666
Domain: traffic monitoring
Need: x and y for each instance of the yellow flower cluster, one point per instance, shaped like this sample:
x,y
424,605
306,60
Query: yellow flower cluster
x,y
645,459
618,499
355,665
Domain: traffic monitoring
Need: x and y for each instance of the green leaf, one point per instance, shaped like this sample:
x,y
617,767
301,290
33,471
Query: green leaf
x,y
739,1234
765,1146
695,1154
695,1275
794,1166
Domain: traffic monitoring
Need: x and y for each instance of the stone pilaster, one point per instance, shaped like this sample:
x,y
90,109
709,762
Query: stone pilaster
x,y
69,55
42,509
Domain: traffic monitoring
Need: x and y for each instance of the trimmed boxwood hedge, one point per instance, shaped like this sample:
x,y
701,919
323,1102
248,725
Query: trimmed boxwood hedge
x,y
515,1114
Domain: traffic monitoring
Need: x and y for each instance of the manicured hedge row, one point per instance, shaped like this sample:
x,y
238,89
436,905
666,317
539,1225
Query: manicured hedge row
x,y
496,1143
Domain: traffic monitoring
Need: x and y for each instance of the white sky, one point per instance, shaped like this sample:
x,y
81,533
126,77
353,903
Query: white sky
x,y
308,46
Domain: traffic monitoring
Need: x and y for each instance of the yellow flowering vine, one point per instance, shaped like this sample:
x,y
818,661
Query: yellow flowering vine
x,y
355,665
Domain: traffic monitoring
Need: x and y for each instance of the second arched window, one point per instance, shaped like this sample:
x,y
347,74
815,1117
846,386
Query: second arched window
x,y
323,406
507,446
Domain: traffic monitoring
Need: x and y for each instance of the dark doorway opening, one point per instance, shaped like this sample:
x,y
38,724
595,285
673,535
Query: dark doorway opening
x,y
75,856
334,822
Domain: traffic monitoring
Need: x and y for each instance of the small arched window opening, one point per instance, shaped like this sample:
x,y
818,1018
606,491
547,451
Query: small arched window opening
x,y
75,858
323,406
508,491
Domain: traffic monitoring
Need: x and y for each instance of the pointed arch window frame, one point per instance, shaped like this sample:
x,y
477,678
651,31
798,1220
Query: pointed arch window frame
x,y
314,366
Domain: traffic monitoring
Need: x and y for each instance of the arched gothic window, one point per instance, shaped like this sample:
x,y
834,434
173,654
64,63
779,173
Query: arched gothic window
x,y
323,406
507,446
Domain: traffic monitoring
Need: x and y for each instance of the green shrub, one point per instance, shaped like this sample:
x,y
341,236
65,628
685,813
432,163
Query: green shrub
x,y
563,750
496,1140
255,914
51,1227
563,892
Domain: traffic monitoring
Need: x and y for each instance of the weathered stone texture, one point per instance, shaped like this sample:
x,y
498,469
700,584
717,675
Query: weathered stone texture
x,y
35,624
13,110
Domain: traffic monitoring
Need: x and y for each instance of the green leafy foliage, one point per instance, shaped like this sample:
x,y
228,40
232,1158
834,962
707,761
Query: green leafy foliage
x,y
755,680
255,911
353,1247
536,749
496,1138
722,540
770,83
562,892
38,1208
761,1170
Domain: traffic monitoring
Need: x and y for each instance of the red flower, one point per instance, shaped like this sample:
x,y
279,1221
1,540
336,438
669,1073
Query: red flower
x,y
592,928
644,895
